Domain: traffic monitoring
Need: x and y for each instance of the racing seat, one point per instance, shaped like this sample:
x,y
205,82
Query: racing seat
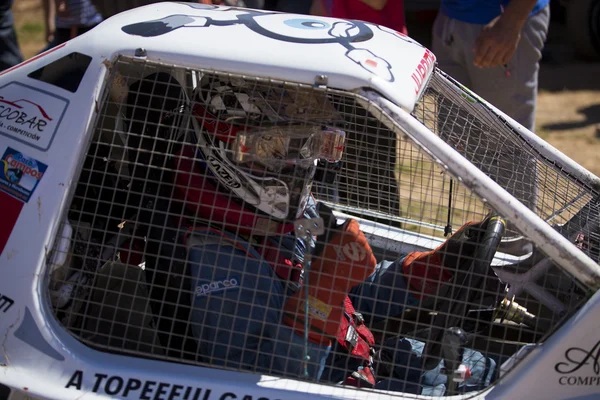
x,y
140,303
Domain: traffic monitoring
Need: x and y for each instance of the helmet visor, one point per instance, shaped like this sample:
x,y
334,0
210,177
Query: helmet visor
x,y
282,160
277,148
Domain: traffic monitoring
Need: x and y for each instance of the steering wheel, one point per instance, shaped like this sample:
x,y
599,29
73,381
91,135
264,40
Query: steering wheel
x,y
485,237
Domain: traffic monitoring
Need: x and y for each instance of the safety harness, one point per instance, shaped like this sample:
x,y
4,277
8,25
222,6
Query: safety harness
x,y
353,334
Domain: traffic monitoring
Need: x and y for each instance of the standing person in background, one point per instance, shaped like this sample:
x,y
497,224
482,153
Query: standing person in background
x,y
66,19
389,13
494,48
10,54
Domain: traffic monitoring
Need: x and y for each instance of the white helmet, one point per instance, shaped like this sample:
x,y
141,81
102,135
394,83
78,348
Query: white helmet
x,y
263,152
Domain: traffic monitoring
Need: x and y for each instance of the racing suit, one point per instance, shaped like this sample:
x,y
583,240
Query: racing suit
x,y
237,307
241,286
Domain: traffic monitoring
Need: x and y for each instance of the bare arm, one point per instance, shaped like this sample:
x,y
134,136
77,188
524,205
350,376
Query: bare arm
x,y
49,14
499,39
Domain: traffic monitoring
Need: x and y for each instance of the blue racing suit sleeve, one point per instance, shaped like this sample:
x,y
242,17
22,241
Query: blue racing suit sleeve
x,y
383,294
237,311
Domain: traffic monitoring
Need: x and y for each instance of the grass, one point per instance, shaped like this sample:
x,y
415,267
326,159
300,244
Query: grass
x,y
542,132
31,33
29,26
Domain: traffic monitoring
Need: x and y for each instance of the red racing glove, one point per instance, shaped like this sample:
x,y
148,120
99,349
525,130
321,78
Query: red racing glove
x,y
426,271
345,261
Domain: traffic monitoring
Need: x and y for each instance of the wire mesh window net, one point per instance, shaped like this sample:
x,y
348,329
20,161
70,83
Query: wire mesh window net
x,y
270,227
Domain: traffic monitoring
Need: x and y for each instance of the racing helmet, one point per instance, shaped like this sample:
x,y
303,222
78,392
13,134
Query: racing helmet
x,y
257,155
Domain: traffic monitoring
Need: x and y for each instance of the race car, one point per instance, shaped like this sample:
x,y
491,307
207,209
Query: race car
x,y
211,202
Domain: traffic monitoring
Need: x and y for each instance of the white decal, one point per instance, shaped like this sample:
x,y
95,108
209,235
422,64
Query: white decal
x,y
30,115
354,251
216,286
228,177
351,250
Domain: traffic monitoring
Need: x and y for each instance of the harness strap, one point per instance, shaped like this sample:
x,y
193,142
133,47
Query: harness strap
x,y
353,334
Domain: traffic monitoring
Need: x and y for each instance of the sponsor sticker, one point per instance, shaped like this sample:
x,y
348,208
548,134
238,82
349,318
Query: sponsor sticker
x,y
318,309
580,366
20,174
216,286
30,115
227,176
424,68
124,387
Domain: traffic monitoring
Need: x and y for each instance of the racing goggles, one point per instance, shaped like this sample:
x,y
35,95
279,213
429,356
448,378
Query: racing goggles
x,y
279,147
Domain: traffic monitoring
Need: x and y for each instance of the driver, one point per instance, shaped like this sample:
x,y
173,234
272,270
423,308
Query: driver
x,y
251,177
271,292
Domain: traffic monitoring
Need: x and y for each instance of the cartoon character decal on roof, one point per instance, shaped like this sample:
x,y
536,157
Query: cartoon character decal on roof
x,y
283,27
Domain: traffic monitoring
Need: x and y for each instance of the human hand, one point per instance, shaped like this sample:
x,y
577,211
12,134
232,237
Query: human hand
x,y
49,33
497,42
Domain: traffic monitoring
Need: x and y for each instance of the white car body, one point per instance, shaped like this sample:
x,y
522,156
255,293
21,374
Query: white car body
x,y
50,127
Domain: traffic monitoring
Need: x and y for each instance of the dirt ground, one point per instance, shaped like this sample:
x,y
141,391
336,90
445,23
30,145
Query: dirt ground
x,y
568,114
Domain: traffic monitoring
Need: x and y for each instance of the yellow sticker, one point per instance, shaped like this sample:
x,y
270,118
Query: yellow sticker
x,y
318,309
